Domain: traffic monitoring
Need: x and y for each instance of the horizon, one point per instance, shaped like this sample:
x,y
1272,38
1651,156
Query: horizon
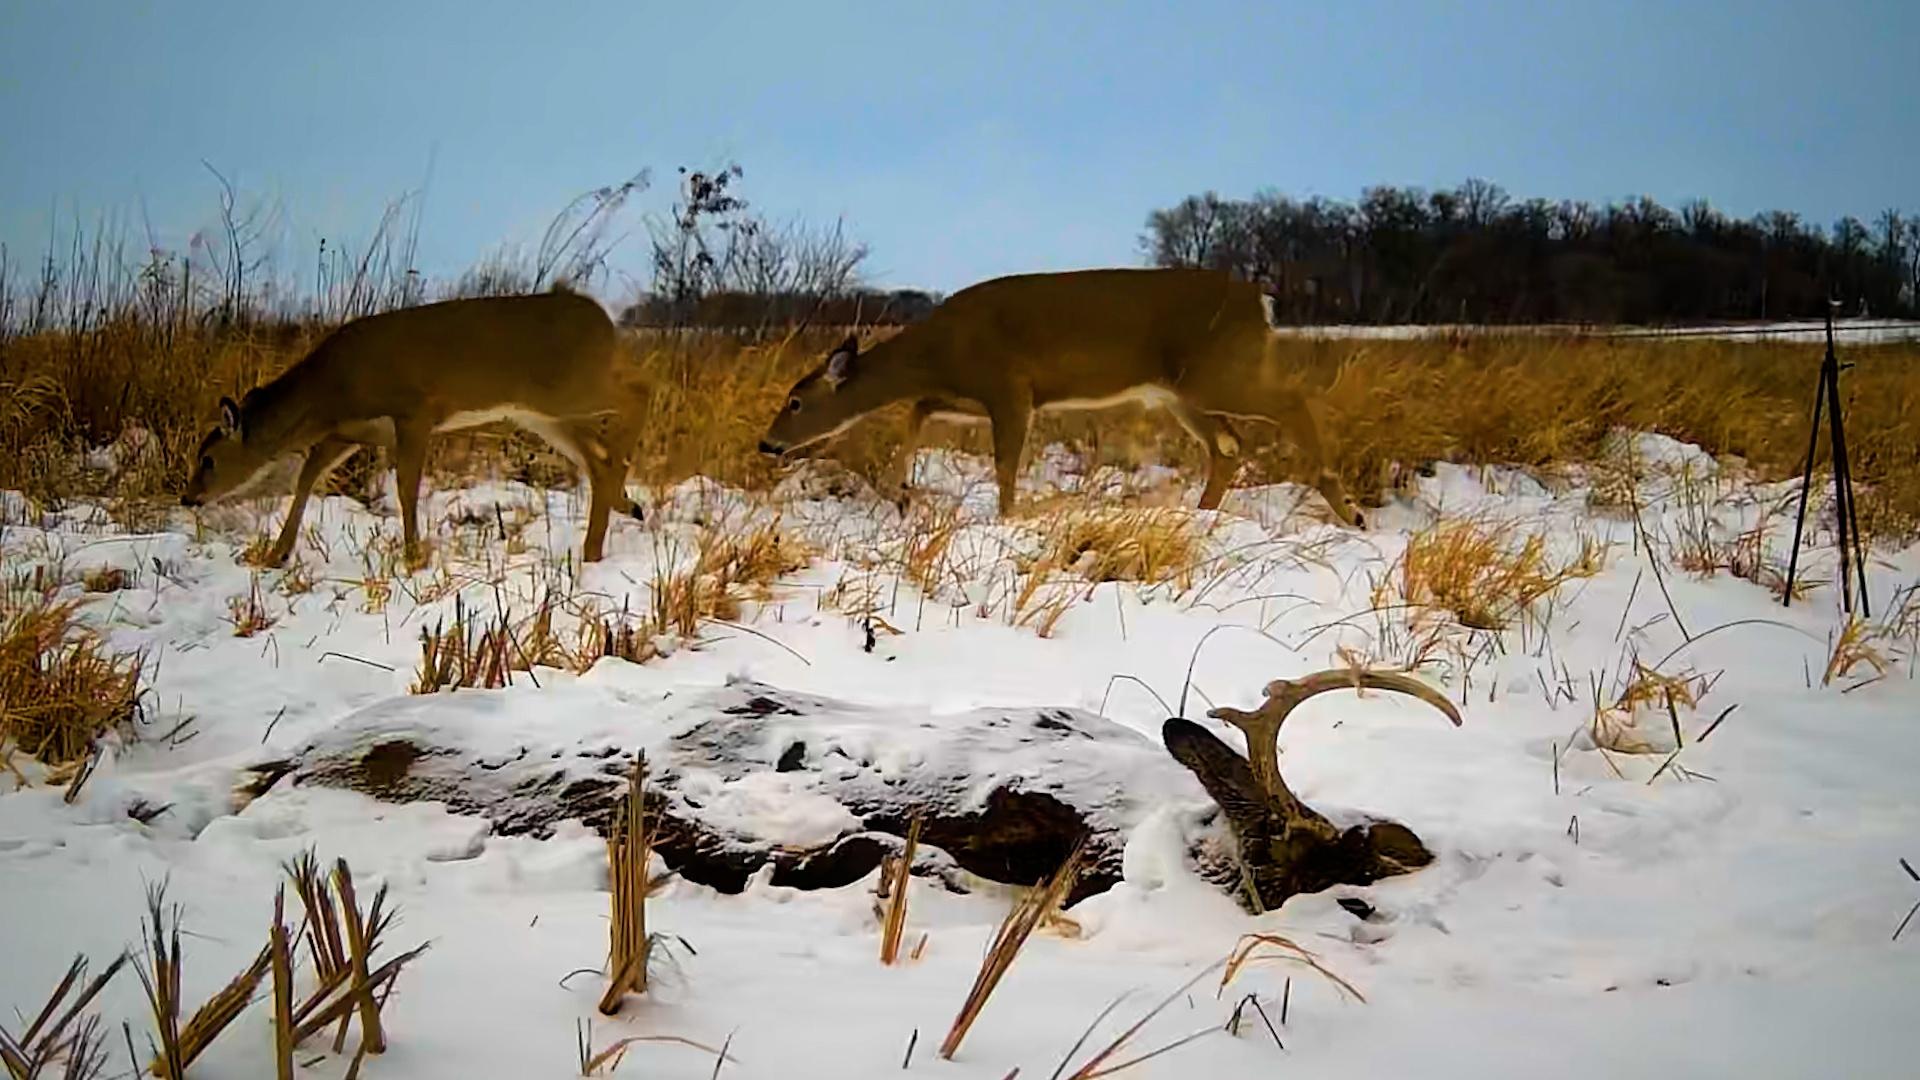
x,y
955,145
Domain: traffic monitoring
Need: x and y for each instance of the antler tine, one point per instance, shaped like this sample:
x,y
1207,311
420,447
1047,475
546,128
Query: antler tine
x,y
1261,727
1295,691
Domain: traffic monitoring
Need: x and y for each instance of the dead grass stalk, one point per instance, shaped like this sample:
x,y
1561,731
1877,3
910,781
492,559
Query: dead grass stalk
x,y
62,686
629,852
1022,919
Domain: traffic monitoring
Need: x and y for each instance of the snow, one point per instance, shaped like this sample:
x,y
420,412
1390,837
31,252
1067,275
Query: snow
x,y
1709,921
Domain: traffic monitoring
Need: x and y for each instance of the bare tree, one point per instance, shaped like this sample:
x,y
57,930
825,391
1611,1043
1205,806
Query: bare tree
x,y
242,249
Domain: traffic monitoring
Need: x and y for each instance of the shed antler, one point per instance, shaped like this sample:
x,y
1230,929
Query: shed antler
x,y
1262,726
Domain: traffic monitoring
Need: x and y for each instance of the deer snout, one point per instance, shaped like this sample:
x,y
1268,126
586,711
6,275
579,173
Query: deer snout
x,y
767,446
189,500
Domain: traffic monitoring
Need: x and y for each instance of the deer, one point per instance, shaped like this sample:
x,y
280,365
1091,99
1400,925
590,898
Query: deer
x,y
544,362
1198,344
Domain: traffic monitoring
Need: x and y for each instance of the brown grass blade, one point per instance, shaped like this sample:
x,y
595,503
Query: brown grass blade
x,y
371,1035
896,920
1019,924
282,989
629,851
1092,1066
1249,945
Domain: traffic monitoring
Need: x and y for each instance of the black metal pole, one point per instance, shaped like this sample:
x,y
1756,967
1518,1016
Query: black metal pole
x,y
1806,486
1830,380
1845,506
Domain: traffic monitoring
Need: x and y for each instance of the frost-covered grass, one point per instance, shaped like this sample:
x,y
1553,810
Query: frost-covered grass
x,y
1616,892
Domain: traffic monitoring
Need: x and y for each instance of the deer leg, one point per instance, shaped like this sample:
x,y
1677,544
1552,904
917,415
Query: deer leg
x,y
409,465
321,459
622,439
1011,418
587,443
1222,445
902,469
606,470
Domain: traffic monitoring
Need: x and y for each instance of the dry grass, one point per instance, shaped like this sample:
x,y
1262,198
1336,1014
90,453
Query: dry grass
x,y
1081,548
178,1045
1900,626
1022,919
1488,574
248,614
450,656
1701,548
606,1061
53,1038
1537,401
122,371
342,940
895,873
1097,1064
729,569
62,686
1147,545
1856,645
629,851
926,555
1645,696
106,579
1257,947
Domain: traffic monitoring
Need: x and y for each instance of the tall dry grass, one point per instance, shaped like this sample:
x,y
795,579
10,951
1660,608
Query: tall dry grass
x,y
117,364
1538,401
62,686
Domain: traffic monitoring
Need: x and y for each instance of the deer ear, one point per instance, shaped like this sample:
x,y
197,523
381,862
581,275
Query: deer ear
x,y
230,415
840,364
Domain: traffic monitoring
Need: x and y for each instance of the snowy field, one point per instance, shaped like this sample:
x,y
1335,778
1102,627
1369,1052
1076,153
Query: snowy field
x,y
1728,910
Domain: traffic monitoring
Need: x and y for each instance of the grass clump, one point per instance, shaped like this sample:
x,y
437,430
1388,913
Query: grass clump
x,y
1151,545
62,686
342,939
1646,696
729,570
179,1044
1856,645
629,855
1082,548
1489,574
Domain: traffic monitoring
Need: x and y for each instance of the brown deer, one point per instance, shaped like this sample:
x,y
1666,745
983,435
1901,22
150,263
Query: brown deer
x,y
1195,343
545,362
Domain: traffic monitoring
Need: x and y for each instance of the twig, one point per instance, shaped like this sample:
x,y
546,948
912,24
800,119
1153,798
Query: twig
x,y
1724,713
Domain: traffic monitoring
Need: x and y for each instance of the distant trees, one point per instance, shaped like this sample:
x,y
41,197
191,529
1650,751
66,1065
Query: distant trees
x,y
1475,254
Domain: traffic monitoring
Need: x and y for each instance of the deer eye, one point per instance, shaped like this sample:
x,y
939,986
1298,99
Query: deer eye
x,y
206,463
793,404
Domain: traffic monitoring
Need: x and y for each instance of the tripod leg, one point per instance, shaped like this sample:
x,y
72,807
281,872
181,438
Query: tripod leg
x,y
1837,448
1806,487
1845,508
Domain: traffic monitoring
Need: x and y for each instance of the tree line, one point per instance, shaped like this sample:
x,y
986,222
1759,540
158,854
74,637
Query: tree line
x,y
1475,254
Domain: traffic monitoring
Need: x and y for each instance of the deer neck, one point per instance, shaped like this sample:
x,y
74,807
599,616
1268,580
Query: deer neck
x,y
281,416
894,370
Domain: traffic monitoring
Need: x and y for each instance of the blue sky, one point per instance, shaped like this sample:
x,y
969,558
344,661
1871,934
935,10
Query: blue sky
x,y
960,140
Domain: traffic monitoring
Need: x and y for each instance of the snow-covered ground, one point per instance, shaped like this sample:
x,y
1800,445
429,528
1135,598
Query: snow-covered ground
x,y
1729,916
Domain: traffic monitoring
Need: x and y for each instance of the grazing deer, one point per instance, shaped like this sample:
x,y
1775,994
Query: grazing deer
x,y
544,362
1196,343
